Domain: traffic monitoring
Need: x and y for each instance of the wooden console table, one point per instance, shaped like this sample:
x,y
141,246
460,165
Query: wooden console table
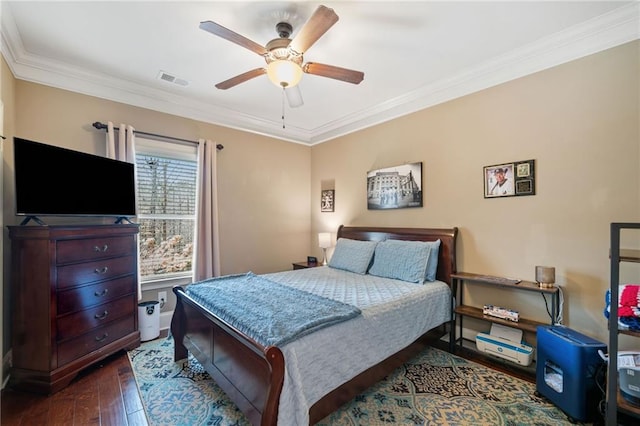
x,y
461,310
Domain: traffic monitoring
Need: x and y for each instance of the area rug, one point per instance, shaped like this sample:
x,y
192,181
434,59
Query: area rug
x,y
434,388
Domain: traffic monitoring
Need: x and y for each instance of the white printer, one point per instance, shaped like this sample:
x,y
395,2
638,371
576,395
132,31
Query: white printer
x,y
505,342
629,375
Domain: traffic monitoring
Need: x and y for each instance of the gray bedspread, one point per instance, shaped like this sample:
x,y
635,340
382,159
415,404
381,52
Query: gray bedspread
x,y
268,312
394,314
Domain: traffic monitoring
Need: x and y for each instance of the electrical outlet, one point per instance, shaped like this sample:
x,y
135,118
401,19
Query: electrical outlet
x,y
162,298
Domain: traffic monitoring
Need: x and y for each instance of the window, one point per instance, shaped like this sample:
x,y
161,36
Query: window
x,y
166,175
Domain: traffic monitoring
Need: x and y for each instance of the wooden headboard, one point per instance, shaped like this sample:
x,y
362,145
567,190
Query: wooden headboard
x,y
447,236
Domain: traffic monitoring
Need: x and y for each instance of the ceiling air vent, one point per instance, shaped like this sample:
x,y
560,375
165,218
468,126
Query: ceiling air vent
x,y
165,76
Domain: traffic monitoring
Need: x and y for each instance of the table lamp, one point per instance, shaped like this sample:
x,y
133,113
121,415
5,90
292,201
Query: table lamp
x,y
545,276
324,241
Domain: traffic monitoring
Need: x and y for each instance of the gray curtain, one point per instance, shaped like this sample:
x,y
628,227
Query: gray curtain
x,y
207,247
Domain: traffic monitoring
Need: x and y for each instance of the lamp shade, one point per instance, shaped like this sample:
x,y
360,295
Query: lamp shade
x,y
545,276
284,73
324,240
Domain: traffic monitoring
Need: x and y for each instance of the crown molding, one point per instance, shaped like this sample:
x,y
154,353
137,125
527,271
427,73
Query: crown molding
x,y
604,32
609,30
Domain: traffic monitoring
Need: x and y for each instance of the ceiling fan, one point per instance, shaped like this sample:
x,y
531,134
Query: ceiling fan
x,y
284,56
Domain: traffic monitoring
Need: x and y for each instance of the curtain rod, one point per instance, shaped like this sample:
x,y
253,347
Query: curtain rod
x,y
100,126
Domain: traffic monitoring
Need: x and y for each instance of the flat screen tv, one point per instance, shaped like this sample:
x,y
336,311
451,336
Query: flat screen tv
x,y
55,181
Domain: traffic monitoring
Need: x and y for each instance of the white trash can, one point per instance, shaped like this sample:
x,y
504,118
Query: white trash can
x,y
149,320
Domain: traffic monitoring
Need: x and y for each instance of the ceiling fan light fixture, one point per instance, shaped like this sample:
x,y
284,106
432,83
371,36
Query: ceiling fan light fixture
x,y
284,73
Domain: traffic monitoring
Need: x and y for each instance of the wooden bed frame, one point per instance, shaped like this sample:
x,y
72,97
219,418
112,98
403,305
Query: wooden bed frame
x,y
252,375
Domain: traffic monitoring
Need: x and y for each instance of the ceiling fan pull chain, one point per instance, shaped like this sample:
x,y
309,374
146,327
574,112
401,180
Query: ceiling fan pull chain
x,y
283,107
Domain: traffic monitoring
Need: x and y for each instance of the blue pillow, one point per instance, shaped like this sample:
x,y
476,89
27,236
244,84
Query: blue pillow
x,y
352,255
401,260
432,265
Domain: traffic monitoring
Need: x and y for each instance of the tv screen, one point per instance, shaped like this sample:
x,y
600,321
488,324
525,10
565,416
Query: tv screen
x,y
55,181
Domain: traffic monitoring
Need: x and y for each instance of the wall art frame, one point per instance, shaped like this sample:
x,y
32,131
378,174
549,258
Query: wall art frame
x,y
513,179
395,187
327,200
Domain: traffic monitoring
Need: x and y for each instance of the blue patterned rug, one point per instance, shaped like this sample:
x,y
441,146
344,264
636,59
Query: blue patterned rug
x,y
434,388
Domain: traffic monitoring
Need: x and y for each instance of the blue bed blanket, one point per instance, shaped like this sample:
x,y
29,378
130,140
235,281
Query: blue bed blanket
x,y
268,312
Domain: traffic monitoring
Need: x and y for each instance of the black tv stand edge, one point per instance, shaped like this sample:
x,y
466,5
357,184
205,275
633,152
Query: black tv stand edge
x,y
121,219
34,218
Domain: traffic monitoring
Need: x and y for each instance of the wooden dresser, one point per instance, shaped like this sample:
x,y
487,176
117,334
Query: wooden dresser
x,y
74,292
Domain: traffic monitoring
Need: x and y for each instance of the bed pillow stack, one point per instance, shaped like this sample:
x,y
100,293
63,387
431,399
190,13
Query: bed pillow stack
x,y
411,261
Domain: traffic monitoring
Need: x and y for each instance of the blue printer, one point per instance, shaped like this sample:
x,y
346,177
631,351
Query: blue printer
x,y
566,366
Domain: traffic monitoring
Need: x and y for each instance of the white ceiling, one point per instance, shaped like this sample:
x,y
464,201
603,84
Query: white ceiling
x,y
414,54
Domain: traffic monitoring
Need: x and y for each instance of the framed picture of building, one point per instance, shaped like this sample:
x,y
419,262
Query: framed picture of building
x,y
395,187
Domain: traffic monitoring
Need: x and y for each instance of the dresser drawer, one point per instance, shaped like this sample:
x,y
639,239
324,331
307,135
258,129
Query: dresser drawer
x,y
81,298
84,273
81,322
94,248
94,340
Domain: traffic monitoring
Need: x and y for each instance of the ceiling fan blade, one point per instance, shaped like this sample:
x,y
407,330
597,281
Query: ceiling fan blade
x,y
294,96
220,31
234,81
319,23
343,74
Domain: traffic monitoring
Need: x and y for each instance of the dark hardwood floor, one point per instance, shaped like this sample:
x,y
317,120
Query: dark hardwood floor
x,y
103,394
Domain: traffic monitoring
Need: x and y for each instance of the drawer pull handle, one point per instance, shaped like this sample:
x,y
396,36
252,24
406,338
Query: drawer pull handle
x,y
102,293
100,250
100,339
101,271
101,316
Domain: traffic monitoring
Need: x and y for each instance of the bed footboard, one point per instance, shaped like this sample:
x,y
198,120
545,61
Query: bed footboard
x,y
250,374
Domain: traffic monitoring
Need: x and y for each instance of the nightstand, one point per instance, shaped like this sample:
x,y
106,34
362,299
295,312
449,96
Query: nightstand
x,y
304,265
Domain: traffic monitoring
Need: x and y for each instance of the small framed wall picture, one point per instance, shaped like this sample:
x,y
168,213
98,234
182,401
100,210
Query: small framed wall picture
x,y
510,179
498,181
525,177
327,200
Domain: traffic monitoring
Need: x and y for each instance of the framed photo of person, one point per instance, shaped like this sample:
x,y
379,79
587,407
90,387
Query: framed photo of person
x,y
327,200
498,181
509,179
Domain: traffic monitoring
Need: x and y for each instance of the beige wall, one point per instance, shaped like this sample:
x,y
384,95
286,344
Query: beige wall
x,y
579,121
